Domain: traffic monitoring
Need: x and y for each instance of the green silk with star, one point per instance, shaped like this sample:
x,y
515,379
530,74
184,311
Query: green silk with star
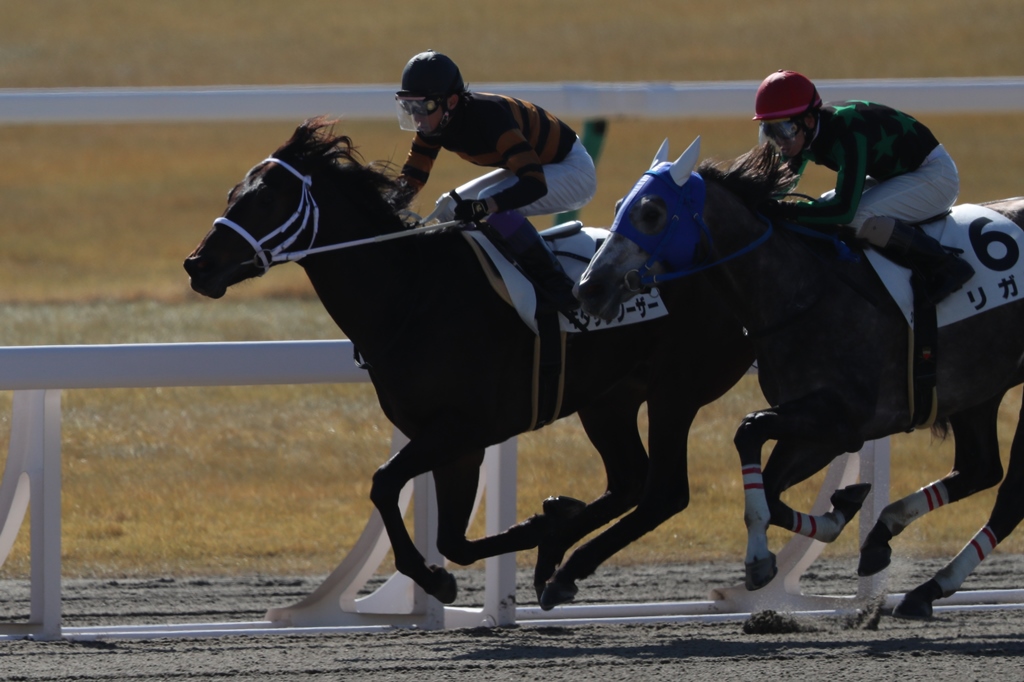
x,y
858,139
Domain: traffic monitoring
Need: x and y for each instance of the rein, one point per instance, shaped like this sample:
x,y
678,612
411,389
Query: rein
x,y
637,279
844,253
309,213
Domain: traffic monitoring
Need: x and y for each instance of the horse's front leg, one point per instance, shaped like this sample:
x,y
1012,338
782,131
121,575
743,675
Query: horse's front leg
x,y
611,425
755,430
456,486
793,461
818,418
417,457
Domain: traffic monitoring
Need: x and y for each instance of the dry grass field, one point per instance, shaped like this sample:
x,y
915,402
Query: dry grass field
x,y
96,220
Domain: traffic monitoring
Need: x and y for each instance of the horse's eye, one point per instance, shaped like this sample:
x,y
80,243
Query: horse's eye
x,y
264,197
649,214
234,192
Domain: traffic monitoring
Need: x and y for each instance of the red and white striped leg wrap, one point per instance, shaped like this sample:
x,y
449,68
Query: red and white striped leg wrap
x,y
825,528
804,524
901,513
752,479
953,574
756,513
935,495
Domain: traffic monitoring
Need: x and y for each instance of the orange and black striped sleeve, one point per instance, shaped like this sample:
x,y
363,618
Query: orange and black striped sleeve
x,y
421,159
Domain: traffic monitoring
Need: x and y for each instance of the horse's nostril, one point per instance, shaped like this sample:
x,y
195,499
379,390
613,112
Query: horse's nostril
x,y
588,289
194,265
632,281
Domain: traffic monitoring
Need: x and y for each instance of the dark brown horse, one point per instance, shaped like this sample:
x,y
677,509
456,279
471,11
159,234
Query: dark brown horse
x,y
832,349
452,363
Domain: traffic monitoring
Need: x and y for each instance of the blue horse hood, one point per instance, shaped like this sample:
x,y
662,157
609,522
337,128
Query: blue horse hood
x,y
676,244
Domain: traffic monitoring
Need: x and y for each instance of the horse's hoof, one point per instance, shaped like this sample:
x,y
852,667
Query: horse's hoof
x,y
761,572
913,609
850,499
445,588
874,559
539,587
563,508
917,604
558,512
875,554
557,593
549,557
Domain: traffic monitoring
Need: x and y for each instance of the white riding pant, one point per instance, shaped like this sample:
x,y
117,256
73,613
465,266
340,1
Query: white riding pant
x,y
927,191
572,183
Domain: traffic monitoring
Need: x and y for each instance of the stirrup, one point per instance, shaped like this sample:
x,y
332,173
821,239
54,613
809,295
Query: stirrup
x,y
952,279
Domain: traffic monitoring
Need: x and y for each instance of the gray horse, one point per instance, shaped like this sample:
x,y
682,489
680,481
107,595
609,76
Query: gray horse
x,y
832,348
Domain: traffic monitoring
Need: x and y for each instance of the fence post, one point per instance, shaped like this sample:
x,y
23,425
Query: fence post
x,y
32,479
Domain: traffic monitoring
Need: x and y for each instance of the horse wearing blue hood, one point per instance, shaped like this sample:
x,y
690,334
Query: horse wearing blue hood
x,y
677,193
832,347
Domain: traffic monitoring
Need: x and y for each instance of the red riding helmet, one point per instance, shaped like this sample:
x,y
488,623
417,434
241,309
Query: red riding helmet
x,y
785,94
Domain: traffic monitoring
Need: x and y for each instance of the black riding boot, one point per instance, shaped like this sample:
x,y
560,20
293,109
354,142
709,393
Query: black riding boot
x,y
541,265
943,272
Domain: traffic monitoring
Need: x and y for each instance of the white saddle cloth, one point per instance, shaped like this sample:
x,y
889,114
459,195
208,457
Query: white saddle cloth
x,y
990,242
583,244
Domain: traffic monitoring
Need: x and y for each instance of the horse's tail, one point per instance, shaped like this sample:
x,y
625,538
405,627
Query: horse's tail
x,y
941,429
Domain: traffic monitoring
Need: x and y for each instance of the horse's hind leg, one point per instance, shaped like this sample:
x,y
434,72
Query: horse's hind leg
x,y
1007,513
976,467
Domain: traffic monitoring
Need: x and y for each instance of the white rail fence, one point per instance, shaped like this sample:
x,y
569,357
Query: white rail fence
x,y
582,100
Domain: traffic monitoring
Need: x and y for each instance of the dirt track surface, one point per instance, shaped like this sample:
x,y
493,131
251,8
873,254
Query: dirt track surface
x,y
980,645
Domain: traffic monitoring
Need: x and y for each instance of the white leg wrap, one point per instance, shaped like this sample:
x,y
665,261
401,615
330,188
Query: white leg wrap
x,y
901,513
953,574
756,514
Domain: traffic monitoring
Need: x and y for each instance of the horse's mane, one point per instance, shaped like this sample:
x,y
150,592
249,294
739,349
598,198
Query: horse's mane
x,y
314,147
754,177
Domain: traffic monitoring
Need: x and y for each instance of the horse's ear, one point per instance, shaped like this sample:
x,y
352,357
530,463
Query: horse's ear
x,y
684,165
662,155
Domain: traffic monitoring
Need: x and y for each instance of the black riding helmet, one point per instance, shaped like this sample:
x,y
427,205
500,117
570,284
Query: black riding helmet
x,y
429,79
431,74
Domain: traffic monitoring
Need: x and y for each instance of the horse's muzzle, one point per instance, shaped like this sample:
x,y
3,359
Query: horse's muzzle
x,y
202,278
597,298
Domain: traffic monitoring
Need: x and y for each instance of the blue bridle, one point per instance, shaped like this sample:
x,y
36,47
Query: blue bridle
x,y
675,246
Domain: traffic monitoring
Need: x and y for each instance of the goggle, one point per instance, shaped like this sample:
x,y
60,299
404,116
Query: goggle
x,y
419,106
780,131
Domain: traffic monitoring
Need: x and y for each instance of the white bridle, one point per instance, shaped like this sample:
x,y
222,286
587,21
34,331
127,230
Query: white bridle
x,y
308,212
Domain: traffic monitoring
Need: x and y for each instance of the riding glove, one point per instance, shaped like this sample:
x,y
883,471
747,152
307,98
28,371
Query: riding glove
x,y
471,210
774,209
